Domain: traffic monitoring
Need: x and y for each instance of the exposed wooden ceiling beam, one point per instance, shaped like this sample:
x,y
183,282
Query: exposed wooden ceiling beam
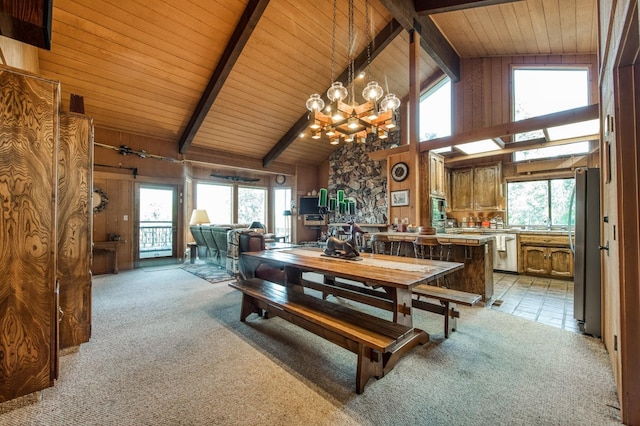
x,y
428,7
380,41
575,115
508,129
431,39
248,21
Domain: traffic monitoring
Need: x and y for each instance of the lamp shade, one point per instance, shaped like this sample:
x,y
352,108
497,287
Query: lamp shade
x,y
256,225
198,217
287,213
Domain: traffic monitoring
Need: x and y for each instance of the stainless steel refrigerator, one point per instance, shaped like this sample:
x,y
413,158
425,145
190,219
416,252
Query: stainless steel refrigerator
x,y
587,289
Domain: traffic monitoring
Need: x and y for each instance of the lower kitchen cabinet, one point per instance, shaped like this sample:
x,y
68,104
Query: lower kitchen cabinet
x,y
547,256
552,261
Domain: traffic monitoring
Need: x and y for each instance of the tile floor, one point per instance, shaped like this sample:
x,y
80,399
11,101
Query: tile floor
x,y
544,300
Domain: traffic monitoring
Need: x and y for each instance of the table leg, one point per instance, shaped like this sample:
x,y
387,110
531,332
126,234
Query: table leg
x,y
402,305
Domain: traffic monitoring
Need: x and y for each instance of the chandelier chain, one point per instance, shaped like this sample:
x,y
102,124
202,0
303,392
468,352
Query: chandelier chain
x,y
351,48
333,41
368,30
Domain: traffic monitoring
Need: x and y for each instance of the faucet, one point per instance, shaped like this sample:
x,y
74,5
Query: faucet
x,y
547,221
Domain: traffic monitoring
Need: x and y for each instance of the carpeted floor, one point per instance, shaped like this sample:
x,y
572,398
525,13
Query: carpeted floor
x,y
207,271
168,349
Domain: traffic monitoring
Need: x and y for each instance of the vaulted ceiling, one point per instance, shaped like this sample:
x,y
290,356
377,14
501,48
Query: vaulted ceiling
x,y
231,77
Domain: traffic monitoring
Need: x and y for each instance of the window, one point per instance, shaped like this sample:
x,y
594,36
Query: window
x,y
282,202
252,205
540,91
217,200
539,202
435,112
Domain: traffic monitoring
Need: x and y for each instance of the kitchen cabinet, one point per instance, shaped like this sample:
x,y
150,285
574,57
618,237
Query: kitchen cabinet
x,y
487,181
477,188
437,186
546,255
462,189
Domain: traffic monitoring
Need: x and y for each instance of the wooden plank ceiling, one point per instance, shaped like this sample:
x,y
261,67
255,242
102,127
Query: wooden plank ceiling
x,y
143,67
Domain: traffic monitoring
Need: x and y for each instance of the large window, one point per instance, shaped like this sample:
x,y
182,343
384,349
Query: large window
x,y
539,202
217,200
540,91
252,205
282,203
435,112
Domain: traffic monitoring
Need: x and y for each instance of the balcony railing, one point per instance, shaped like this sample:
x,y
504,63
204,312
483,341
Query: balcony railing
x,y
155,236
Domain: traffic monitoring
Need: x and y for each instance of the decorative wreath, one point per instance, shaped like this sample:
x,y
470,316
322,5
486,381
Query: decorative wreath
x,y
99,200
399,171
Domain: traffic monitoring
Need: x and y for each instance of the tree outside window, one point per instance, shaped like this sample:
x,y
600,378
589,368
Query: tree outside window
x,y
252,205
539,203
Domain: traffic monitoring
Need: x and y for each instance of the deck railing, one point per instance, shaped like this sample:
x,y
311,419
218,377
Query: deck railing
x,y
155,236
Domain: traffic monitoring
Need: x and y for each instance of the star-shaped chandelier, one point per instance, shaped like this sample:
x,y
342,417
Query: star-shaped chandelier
x,y
344,119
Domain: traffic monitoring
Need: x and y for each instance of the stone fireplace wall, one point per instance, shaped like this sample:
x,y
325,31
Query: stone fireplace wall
x,y
362,179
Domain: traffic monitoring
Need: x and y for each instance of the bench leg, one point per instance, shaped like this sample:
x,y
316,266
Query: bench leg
x,y
249,306
369,365
450,318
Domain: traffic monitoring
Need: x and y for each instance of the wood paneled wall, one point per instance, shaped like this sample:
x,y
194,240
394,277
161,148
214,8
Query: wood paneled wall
x,y
482,97
20,55
115,176
28,169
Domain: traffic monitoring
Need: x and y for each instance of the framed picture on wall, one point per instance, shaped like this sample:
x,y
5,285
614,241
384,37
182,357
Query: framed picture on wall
x,y
400,198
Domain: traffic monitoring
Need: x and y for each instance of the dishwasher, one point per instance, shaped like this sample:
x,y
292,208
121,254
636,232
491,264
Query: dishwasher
x,y
505,253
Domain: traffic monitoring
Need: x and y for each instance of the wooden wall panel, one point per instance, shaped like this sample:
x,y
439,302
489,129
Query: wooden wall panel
x,y
28,309
20,55
75,169
482,98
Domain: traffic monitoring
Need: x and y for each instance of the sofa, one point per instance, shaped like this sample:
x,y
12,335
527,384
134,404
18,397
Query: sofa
x,y
212,241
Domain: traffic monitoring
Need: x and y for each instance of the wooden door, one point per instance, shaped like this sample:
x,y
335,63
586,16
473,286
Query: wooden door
x,y
560,262
28,175
75,163
534,260
486,187
462,189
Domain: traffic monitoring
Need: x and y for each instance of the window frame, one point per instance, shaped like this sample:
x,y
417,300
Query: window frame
x,y
548,204
549,67
424,96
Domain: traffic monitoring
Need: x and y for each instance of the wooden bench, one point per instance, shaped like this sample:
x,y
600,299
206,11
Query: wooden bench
x,y
448,298
377,342
374,297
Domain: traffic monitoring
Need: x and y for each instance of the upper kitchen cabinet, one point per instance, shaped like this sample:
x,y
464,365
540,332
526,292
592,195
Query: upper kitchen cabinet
x,y
433,166
487,181
477,188
462,189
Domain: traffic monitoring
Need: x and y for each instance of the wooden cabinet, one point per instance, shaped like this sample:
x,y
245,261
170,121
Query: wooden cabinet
x,y
28,176
462,189
476,188
487,182
437,185
546,255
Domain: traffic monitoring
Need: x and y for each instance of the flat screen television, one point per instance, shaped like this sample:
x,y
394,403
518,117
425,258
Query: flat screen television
x,y
308,205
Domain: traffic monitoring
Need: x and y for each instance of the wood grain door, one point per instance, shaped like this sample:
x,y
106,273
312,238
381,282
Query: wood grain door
x,y
28,176
74,218
486,187
534,260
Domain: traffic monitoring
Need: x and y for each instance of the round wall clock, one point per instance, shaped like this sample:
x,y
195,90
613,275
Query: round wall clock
x,y
281,179
399,171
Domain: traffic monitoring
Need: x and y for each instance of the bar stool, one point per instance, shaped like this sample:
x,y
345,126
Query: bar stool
x,y
379,244
421,243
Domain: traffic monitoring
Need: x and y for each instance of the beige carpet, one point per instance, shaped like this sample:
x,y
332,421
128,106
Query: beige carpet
x,y
168,349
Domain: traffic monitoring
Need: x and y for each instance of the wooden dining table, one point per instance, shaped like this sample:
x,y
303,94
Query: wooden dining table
x,y
397,276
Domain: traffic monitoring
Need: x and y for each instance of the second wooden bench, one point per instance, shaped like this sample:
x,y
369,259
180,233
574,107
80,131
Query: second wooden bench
x,y
377,342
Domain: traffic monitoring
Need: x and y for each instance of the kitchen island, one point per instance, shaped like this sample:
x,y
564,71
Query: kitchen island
x,y
475,251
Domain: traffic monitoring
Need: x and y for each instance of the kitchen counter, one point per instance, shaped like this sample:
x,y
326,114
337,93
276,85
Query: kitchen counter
x,y
506,231
475,251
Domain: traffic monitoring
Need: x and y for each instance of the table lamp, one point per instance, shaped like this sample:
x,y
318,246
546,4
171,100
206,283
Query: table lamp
x,y
199,217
